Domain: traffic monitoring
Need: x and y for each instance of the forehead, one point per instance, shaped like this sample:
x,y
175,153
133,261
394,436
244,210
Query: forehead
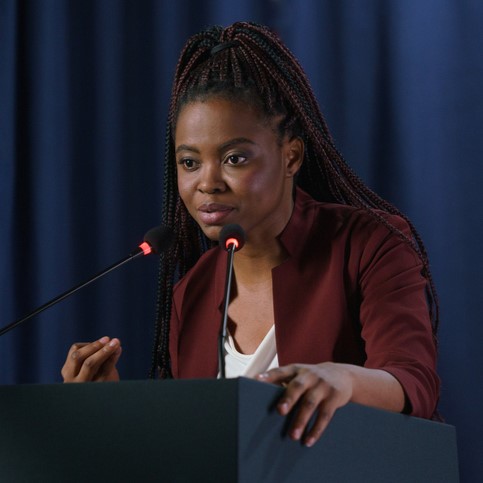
x,y
218,118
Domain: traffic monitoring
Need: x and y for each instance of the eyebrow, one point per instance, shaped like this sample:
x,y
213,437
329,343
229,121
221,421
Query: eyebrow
x,y
225,145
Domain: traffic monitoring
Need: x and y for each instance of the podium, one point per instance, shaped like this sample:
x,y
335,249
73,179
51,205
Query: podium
x,y
205,431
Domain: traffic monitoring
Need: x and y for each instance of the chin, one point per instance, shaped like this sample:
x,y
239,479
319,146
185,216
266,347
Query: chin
x,y
212,231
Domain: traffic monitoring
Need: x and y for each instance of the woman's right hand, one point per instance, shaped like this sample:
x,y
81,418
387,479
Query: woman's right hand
x,y
94,361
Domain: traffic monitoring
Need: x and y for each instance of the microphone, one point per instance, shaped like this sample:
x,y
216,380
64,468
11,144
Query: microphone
x,y
156,240
232,239
232,234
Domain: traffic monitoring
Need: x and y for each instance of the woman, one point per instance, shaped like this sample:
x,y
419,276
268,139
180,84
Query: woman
x,y
331,289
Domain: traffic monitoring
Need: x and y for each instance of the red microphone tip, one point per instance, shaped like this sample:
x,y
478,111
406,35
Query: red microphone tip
x,y
232,236
146,248
232,241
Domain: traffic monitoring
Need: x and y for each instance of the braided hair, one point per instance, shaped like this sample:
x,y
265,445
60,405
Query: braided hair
x,y
248,62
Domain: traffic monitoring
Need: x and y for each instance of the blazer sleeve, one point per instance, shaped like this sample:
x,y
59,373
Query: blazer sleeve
x,y
394,315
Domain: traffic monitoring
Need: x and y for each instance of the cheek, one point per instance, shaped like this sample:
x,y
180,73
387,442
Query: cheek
x,y
255,183
183,188
263,180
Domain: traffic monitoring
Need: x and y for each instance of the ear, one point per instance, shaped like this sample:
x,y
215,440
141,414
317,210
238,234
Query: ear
x,y
293,155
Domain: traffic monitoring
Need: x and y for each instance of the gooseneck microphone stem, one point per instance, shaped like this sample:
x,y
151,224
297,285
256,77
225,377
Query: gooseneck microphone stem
x,y
156,240
131,256
222,338
232,238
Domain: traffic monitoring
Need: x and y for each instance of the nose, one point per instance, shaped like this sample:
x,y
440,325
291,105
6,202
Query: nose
x,y
211,178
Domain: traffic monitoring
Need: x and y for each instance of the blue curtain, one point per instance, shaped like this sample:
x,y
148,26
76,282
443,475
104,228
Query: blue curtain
x,y
84,87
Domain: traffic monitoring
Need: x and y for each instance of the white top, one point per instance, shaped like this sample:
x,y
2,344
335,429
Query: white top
x,y
249,365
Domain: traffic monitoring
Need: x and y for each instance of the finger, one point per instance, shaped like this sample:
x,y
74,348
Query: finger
x,y
93,362
73,348
76,356
81,351
108,371
278,375
312,401
294,390
322,420
77,346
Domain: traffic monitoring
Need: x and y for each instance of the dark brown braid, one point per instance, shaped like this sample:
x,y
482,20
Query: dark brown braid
x,y
247,62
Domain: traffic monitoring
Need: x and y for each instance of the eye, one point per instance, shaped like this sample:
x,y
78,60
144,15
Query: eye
x,y
188,164
235,159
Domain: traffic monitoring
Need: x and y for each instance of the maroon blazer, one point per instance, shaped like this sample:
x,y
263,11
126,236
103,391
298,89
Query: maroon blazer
x,y
350,291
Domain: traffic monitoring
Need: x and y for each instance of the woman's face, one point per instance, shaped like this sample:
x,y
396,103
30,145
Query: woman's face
x,y
233,168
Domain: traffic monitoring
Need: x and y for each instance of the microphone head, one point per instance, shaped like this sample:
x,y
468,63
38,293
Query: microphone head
x,y
232,234
159,238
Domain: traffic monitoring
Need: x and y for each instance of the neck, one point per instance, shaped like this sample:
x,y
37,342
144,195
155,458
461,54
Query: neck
x,y
253,264
262,252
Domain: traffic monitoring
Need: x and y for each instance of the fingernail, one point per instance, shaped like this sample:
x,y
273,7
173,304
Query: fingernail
x,y
296,433
310,442
264,375
283,407
104,340
113,343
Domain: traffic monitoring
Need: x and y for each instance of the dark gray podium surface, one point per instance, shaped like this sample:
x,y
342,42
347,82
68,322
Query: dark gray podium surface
x,y
205,431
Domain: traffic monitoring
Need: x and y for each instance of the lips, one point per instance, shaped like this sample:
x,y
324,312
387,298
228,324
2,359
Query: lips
x,y
213,213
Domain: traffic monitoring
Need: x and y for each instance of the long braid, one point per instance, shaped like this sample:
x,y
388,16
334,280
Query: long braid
x,y
355,191
247,62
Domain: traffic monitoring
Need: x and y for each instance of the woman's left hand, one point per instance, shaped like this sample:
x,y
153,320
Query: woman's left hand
x,y
319,389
